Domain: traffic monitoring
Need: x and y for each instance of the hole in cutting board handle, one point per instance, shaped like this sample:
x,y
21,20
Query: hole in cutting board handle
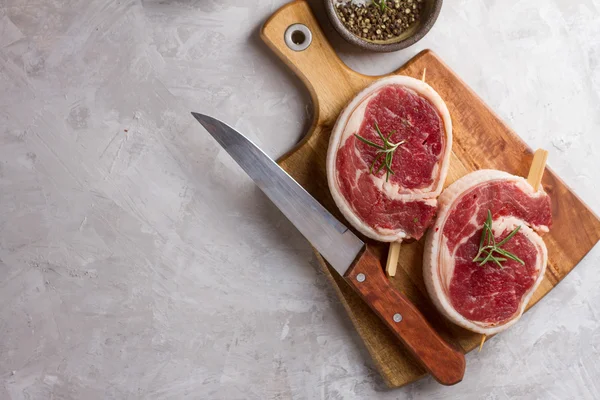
x,y
298,37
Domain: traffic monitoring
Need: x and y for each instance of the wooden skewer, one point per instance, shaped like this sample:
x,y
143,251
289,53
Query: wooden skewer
x,y
392,260
394,253
538,165
483,337
534,178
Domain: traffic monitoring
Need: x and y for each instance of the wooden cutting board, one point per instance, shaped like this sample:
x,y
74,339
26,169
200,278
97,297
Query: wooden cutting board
x,y
481,140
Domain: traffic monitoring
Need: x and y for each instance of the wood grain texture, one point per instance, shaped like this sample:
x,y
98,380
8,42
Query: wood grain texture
x,y
480,140
443,361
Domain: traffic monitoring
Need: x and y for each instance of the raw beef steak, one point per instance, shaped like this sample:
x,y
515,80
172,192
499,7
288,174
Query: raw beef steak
x,y
486,298
390,206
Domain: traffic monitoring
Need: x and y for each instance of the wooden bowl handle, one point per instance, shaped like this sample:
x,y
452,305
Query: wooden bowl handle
x,y
440,359
318,66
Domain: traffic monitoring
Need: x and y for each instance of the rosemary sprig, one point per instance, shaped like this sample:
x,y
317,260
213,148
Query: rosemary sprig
x,y
386,150
488,245
382,4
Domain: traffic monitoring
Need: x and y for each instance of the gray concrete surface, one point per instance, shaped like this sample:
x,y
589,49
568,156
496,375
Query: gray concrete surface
x,y
138,261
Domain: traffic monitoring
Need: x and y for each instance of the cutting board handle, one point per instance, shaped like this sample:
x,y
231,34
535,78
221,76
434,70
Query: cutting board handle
x,y
444,362
330,82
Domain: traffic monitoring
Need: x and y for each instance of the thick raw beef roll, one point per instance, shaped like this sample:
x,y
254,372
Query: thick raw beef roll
x,y
388,158
462,278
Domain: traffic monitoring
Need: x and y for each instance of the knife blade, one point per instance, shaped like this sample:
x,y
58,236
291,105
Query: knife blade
x,y
344,251
334,241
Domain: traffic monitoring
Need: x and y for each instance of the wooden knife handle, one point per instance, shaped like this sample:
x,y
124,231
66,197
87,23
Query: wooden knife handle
x,y
440,359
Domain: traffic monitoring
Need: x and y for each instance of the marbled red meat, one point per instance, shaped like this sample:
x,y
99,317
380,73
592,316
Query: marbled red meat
x,y
404,206
372,205
486,298
487,293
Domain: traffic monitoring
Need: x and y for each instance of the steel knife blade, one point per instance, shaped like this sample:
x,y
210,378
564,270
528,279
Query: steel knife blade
x,y
344,251
334,241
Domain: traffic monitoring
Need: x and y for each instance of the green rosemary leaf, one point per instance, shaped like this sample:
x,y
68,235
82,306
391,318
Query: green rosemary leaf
x,y
510,255
373,164
478,259
369,142
387,150
388,164
382,4
486,259
481,241
391,159
488,245
380,166
380,134
510,235
489,222
494,259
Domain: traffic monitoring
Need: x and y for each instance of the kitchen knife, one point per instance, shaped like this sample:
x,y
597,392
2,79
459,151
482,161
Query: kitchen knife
x,y
344,251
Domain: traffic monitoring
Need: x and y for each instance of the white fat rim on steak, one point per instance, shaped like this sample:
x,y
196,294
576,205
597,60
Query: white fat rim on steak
x,y
438,264
349,122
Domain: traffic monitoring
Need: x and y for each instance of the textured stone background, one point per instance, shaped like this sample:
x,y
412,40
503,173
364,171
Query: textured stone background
x,y
138,261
